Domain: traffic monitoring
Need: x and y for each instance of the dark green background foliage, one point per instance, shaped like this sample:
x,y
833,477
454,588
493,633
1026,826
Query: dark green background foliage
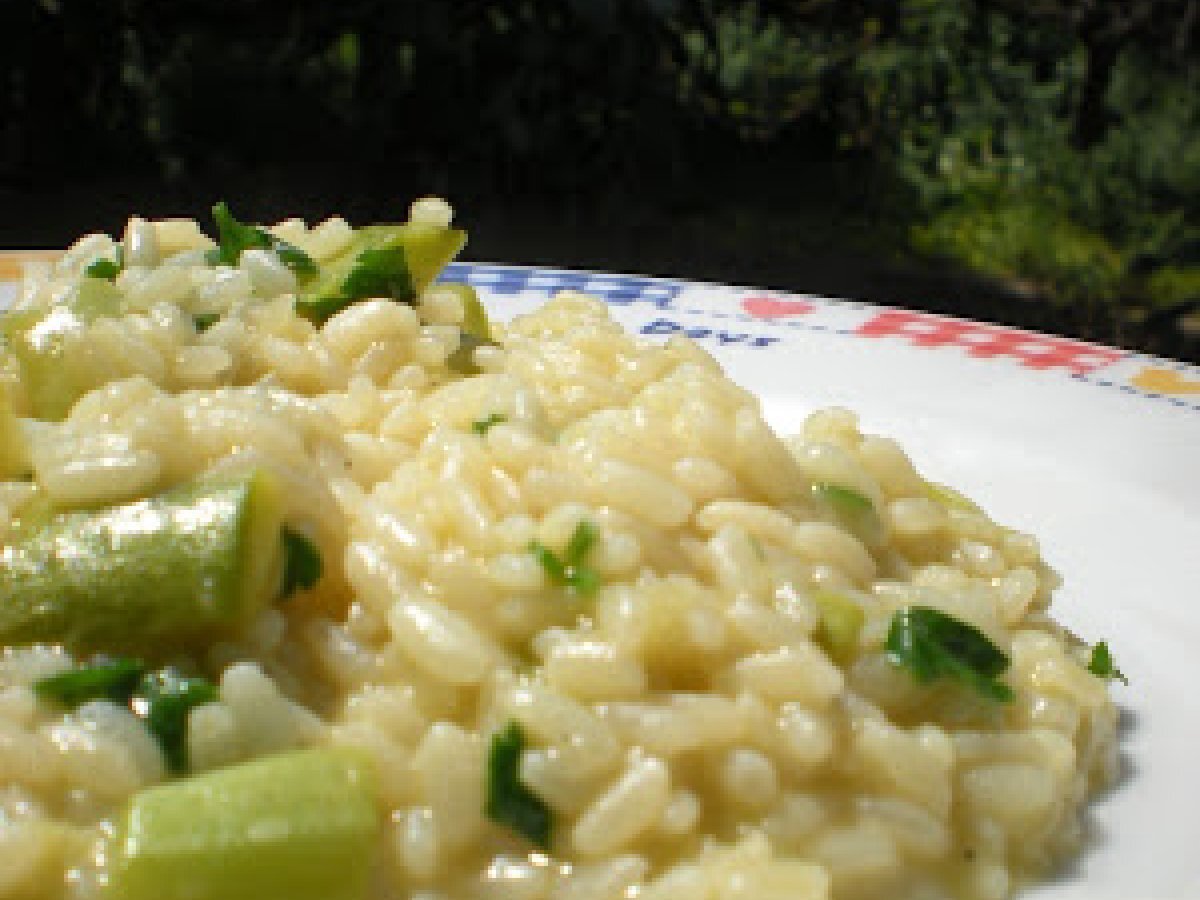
x,y
1049,147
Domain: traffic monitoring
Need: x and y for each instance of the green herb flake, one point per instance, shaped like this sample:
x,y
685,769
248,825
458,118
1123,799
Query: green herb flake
x,y
584,581
205,321
583,538
1103,666
302,563
108,269
549,561
854,510
509,801
481,426
571,571
103,679
843,499
234,238
163,700
293,257
932,645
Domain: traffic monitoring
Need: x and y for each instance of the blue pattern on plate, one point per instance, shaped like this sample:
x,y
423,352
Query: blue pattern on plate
x,y
619,290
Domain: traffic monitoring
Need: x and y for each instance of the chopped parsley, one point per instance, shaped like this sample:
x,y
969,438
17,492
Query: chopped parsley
x,y
234,238
102,679
571,570
854,510
205,321
301,563
843,499
932,645
1102,664
583,538
509,802
481,426
163,700
108,269
550,563
381,272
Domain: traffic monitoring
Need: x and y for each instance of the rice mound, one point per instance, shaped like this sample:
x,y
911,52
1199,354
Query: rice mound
x,y
692,735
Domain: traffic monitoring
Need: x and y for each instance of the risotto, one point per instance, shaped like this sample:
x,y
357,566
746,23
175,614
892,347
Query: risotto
x,y
317,584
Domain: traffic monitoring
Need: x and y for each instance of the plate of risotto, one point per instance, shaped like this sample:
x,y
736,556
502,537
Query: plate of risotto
x,y
334,568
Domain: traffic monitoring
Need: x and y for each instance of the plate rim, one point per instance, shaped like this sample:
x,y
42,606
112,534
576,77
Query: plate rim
x,y
1128,385
1145,376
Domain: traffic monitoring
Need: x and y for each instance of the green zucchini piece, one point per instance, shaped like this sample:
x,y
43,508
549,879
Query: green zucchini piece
x,y
299,826
57,365
462,360
14,449
93,298
427,248
855,511
476,330
841,620
949,498
159,574
397,261
475,318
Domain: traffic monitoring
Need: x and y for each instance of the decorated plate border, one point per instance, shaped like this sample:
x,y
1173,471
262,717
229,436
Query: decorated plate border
x,y
760,318
769,315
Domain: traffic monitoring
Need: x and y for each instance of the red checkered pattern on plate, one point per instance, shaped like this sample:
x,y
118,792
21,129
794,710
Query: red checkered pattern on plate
x,y
1036,351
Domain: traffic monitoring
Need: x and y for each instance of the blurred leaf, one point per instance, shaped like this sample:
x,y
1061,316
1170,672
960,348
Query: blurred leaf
x,y
961,118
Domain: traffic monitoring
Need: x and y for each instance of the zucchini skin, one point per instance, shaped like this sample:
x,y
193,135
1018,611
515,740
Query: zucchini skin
x,y
297,826
166,573
57,364
427,250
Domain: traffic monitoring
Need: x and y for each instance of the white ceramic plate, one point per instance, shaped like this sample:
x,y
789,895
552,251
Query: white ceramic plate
x,y
1092,449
